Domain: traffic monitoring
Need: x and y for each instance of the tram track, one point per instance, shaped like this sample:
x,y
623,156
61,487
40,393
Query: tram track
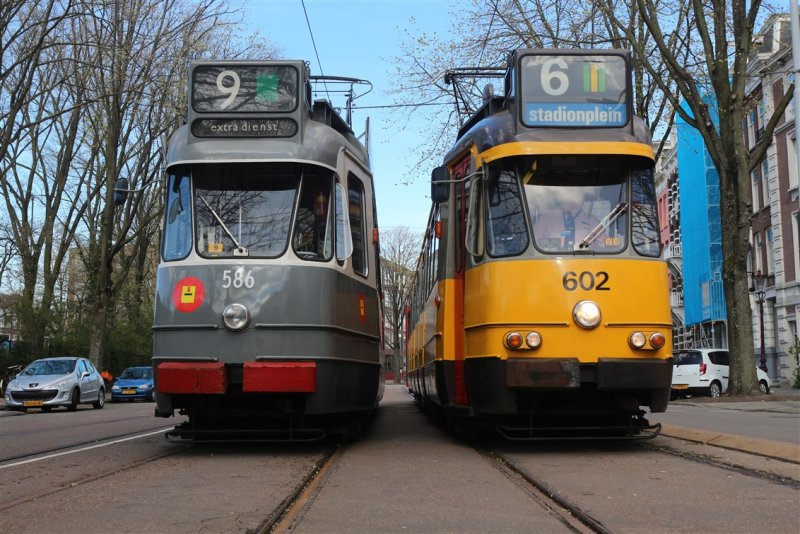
x,y
291,510
706,459
570,514
86,479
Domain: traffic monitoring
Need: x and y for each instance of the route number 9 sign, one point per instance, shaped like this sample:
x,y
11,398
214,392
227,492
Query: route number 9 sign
x,y
236,88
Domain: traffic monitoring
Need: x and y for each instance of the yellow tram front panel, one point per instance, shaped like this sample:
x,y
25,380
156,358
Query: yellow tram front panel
x,y
539,295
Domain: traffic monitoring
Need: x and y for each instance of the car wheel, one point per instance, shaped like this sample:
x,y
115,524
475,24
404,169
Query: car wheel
x,y
74,399
763,386
715,389
101,400
152,395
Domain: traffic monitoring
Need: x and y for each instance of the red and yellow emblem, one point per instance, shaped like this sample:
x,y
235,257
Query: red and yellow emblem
x,y
188,294
362,307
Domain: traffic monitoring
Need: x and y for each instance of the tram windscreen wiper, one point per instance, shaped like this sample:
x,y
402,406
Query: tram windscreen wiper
x,y
612,216
240,250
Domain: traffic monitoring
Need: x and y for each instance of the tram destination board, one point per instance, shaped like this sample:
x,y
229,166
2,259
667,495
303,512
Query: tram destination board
x,y
574,90
251,89
234,99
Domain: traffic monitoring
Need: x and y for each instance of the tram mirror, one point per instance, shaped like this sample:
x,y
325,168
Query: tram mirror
x,y
120,191
440,186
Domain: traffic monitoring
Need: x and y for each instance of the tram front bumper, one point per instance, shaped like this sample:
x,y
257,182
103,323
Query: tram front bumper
x,y
499,386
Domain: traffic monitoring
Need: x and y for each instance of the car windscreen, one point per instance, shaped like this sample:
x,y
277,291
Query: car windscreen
x,y
50,367
137,373
686,358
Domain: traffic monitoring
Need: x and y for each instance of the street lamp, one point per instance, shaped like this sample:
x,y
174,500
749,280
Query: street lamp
x,y
758,288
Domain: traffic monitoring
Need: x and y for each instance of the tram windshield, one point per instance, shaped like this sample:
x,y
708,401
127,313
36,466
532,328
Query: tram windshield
x,y
249,210
244,209
574,204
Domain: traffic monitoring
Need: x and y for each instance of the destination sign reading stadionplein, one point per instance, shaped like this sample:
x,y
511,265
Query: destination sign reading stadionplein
x,y
574,90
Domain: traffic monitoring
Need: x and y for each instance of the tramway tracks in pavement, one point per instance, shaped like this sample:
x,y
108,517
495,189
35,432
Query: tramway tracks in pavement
x,y
567,512
709,460
81,480
291,510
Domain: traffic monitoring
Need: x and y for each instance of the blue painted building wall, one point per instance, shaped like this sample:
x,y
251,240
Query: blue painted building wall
x,y
701,228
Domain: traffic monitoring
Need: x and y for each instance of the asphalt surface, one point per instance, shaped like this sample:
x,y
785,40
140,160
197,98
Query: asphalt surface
x,y
781,400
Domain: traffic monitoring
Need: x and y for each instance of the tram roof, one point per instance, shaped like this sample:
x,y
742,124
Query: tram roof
x,y
501,129
317,143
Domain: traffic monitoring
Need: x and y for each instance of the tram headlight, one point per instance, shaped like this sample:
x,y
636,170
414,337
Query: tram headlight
x,y
533,340
586,314
235,317
637,340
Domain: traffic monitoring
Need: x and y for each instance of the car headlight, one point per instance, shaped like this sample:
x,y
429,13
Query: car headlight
x,y
586,314
144,386
13,386
115,388
64,384
235,317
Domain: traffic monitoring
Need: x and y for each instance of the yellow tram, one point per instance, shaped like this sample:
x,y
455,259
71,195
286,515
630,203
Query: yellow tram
x,y
540,303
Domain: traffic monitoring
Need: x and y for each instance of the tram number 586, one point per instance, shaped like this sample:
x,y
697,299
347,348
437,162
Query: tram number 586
x,y
585,280
237,278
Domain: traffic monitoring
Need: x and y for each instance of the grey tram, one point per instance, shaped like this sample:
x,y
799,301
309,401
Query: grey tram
x,y
268,315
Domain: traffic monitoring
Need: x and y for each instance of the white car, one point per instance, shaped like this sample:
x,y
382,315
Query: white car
x,y
705,372
66,381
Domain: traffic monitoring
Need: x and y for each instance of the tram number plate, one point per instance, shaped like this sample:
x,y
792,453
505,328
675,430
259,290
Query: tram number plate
x,y
29,403
128,391
680,386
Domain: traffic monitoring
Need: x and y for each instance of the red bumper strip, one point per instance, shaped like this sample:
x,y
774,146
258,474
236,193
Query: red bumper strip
x,y
280,377
191,377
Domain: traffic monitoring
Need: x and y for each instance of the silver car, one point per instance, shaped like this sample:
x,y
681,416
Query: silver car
x,y
63,381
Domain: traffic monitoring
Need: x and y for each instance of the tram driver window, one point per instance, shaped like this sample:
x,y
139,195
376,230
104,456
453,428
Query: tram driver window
x,y
177,228
507,234
313,238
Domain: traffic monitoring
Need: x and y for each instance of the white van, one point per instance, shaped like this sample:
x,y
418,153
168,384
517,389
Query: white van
x,y
705,372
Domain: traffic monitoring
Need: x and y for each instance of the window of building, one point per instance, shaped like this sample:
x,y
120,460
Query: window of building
x,y
755,191
770,249
751,131
791,148
758,251
796,241
765,182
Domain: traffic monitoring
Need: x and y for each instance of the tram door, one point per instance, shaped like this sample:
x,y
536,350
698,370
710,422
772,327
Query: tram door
x,y
460,170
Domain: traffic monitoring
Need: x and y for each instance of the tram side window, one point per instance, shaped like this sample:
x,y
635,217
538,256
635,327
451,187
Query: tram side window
x,y
507,235
178,224
355,193
313,235
644,214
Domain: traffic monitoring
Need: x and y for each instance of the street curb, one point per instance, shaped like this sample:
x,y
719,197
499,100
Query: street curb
x,y
763,447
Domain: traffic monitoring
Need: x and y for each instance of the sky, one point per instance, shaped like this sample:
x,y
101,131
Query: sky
x,y
360,39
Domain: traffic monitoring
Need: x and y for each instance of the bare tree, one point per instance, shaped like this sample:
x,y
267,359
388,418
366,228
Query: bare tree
x,y
399,253
484,34
138,68
711,87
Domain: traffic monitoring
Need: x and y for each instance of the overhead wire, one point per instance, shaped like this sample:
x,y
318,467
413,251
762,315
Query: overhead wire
x,y
316,53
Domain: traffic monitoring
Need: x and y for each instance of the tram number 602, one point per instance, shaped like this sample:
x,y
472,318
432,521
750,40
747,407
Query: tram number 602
x,y
585,280
239,279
